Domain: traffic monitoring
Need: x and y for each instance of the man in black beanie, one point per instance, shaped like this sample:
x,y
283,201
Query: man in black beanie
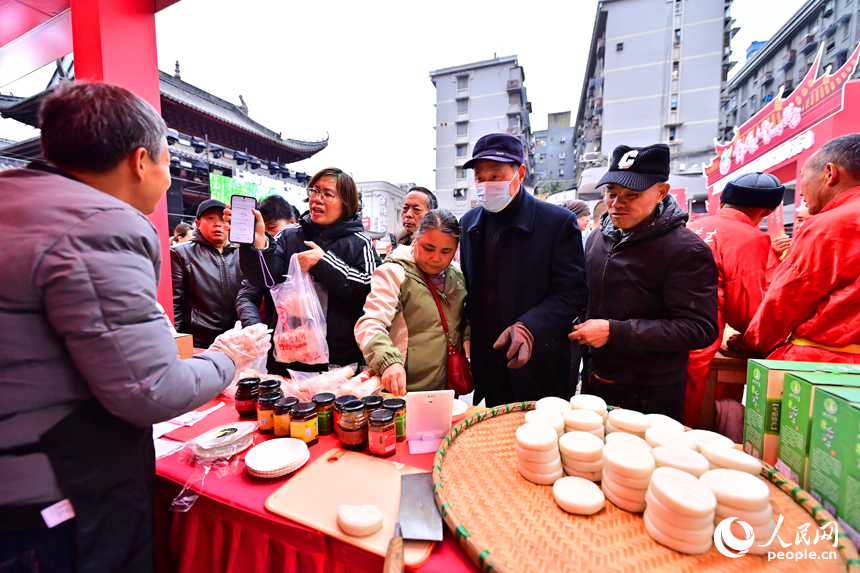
x,y
652,289
745,261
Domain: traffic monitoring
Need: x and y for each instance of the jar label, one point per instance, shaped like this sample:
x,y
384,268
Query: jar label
x,y
382,442
400,423
282,425
306,431
265,418
245,405
325,418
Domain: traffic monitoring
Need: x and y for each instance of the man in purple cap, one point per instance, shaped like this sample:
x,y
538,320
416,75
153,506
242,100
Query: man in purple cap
x,y
653,289
525,274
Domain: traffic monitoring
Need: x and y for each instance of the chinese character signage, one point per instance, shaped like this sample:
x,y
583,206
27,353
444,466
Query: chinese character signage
x,y
783,118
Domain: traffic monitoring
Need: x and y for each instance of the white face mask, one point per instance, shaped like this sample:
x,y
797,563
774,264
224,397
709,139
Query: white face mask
x,y
494,195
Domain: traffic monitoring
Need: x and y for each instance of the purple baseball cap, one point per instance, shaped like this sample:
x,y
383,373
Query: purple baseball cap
x,y
500,147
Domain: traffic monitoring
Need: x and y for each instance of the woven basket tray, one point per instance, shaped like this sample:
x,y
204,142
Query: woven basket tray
x,y
506,523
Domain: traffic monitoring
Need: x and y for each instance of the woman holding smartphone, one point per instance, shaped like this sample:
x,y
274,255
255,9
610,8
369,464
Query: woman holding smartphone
x,y
334,249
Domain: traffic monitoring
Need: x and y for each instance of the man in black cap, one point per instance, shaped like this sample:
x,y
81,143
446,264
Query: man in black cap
x,y
206,278
652,285
525,274
745,261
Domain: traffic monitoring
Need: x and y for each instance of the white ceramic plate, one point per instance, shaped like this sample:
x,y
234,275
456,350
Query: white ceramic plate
x,y
459,412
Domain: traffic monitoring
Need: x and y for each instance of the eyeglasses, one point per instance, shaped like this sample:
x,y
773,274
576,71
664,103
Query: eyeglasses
x,y
326,197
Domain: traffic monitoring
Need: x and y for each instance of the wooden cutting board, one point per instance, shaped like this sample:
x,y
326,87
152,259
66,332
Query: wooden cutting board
x,y
340,477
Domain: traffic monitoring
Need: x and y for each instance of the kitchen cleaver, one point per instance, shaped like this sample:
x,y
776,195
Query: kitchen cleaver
x,y
418,518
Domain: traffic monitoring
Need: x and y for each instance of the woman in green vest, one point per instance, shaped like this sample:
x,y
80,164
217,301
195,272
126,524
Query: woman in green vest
x,y
401,333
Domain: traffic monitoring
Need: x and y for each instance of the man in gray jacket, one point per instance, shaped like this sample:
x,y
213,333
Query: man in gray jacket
x,y
87,361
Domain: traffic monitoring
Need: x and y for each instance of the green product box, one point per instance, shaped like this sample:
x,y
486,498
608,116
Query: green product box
x,y
796,416
764,401
834,455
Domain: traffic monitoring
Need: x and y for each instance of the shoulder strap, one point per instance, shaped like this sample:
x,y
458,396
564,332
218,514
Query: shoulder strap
x,y
436,300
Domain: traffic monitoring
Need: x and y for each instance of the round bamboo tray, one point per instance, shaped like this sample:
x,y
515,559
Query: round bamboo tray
x,y
506,523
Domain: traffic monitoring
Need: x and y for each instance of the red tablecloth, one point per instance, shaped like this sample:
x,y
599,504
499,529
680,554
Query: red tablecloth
x,y
228,529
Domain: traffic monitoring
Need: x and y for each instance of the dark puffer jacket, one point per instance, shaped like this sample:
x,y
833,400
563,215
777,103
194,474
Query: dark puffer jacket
x,y
657,286
344,272
205,285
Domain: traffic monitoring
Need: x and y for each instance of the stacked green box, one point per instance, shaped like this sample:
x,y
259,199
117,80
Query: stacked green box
x,y
764,401
834,455
796,416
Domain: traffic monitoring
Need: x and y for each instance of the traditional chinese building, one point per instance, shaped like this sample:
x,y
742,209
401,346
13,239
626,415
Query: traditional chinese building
x,y
215,146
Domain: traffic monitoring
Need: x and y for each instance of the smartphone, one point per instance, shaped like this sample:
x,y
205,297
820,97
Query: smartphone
x,y
242,221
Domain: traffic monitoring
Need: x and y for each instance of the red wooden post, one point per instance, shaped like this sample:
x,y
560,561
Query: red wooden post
x,y
114,42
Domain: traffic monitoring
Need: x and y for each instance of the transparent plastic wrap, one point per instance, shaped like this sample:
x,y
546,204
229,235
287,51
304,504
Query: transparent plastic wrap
x,y
216,451
247,347
338,381
300,335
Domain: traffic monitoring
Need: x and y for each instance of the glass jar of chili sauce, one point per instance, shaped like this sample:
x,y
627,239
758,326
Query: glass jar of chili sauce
x,y
352,426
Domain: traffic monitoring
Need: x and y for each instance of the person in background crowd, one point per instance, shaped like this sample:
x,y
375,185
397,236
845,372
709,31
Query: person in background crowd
x,y
583,216
809,312
523,263
87,361
599,210
401,317
206,278
801,217
332,246
418,201
652,289
182,233
745,262
277,213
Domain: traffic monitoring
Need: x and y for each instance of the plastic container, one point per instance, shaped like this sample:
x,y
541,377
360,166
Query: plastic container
x,y
304,423
352,426
398,406
382,433
247,392
283,415
325,411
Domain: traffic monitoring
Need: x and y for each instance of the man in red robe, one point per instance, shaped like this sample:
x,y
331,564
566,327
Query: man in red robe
x,y
745,260
811,311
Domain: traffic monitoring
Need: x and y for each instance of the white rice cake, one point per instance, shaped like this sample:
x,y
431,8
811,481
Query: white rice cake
x,y
662,421
581,446
589,402
706,437
590,476
359,520
628,439
731,458
695,536
682,493
682,521
676,544
541,457
578,495
581,466
548,418
620,502
680,458
537,437
541,468
628,493
668,437
635,483
553,404
540,479
628,460
737,489
629,421
584,420
754,518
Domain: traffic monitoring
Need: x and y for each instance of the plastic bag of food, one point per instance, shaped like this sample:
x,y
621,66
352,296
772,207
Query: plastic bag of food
x,y
314,383
301,329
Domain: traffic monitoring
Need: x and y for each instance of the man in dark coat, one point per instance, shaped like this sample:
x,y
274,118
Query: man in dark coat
x,y
206,278
525,274
652,285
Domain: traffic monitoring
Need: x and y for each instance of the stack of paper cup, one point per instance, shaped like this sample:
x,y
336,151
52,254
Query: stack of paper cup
x,y
680,511
538,459
627,470
581,455
589,402
680,458
583,421
547,418
629,421
721,456
746,498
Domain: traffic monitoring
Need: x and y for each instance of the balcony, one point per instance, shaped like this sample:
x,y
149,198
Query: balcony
x,y
806,44
515,108
788,59
598,102
460,161
765,78
803,70
787,87
514,85
601,46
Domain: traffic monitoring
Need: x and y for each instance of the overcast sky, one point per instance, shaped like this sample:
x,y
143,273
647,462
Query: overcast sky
x,y
359,71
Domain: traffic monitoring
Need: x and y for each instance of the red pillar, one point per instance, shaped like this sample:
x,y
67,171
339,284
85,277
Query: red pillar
x,y
114,42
